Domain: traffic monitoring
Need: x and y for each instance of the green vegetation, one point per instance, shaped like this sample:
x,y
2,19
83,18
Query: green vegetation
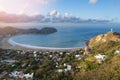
x,y
85,68
64,65
106,47
110,70
11,31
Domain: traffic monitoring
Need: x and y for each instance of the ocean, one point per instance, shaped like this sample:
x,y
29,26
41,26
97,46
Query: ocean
x,y
66,37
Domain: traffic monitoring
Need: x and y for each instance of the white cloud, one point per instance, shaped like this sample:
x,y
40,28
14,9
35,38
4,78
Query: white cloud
x,y
54,16
54,13
67,15
93,1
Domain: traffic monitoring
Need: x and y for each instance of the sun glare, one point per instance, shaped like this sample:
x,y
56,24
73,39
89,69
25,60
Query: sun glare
x,y
21,6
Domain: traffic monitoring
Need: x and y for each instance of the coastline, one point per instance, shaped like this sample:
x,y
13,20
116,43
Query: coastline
x,y
8,43
5,45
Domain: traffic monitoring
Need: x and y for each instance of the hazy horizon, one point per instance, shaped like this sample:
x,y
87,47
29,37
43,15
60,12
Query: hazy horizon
x,y
60,11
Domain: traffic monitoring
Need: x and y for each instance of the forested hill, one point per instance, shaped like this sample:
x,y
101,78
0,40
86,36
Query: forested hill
x,y
15,31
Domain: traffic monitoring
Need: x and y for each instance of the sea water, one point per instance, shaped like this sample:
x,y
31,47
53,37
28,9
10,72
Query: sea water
x,y
65,37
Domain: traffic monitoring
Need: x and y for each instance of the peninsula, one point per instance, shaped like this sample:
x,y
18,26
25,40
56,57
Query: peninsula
x,y
15,31
7,32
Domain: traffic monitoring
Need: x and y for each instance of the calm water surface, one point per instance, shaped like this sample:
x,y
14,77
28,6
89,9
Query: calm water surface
x,y
66,37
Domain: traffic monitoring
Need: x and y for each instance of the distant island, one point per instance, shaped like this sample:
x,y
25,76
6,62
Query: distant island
x,y
15,31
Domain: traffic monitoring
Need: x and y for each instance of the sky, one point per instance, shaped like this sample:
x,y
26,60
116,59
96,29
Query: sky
x,y
84,9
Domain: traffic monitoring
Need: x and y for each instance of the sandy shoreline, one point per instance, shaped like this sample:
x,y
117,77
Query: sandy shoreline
x,y
7,43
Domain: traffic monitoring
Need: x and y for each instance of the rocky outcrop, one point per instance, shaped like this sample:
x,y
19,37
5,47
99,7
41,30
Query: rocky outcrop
x,y
104,38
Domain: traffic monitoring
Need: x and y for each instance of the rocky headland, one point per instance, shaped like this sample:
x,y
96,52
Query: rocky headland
x,y
105,42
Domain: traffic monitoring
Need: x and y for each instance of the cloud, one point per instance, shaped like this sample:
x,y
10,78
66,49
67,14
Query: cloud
x,y
68,15
54,16
54,13
93,1
14,18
